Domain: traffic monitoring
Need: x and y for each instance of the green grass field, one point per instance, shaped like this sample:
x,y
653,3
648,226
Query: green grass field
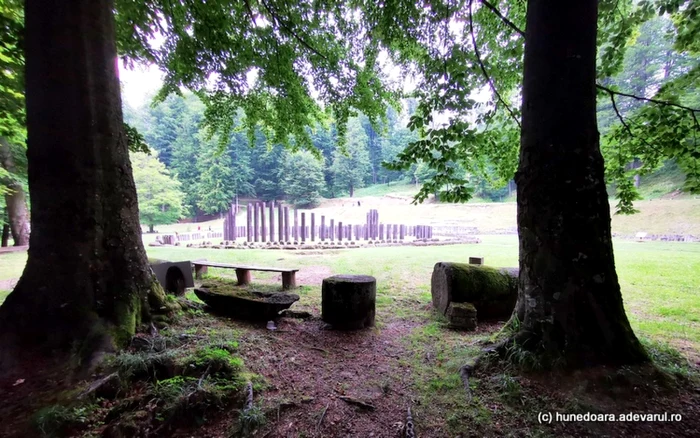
x,y
659,280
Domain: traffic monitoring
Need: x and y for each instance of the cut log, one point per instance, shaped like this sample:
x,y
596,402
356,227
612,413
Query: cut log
x,y
493,292
348,301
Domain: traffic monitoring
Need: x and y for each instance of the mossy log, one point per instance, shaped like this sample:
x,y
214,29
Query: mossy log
x,y
493,292
348,301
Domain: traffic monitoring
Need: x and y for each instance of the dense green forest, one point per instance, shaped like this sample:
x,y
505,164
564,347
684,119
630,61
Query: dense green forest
x,y
213,172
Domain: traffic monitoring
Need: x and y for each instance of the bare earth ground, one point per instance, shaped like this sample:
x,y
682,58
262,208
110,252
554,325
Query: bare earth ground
x,y
311,368
409,360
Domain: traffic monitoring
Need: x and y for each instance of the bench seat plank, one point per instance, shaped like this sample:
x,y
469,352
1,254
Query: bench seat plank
x,y
250,268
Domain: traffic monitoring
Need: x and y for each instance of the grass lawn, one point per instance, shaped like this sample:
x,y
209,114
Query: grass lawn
x,y
659,280
412,358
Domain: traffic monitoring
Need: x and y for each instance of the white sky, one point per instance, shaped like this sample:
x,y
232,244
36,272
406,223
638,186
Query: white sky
x,y
139,84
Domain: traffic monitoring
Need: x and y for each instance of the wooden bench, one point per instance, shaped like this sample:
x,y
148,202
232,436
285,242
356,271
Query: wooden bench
x,y
243,272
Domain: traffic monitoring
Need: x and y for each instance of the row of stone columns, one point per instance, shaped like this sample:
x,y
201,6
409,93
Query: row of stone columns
x,y
261,228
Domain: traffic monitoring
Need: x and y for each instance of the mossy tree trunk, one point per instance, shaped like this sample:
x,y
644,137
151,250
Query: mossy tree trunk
x,y
569,299
87,281
18,215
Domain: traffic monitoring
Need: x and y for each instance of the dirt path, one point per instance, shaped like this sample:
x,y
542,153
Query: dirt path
x,y
310,369
13,248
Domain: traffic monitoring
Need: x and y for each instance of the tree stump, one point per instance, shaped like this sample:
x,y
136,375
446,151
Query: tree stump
x,y
348,301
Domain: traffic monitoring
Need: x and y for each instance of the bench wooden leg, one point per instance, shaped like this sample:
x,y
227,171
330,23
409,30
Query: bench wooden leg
x,y
289,280
199,270
243,276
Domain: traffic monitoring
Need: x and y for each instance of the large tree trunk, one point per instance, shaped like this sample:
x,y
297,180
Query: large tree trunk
x,y
14,198
5,235
569,301
87,281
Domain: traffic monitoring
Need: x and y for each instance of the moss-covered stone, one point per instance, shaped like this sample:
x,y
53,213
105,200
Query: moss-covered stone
x,y
493,292
243,303
462,315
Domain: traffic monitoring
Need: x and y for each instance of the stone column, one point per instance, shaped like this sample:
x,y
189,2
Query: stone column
x,y
263,224
249,222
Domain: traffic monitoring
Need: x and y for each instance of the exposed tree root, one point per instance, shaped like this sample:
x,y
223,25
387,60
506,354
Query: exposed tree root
x,y
498,350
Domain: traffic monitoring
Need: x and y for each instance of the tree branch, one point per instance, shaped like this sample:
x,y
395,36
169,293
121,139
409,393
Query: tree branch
x,y
279,21
619,116
622,119
483,68
656,101
250,12
503,18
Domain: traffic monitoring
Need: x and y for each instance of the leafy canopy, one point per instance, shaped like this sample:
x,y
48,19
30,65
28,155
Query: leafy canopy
x,y
278,61
288,65
301,178
351,164
159,195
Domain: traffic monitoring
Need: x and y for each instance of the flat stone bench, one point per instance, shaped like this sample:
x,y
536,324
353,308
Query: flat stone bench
x,y
243,272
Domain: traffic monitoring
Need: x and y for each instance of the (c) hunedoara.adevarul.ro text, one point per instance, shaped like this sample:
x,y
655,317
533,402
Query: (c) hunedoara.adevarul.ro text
x,y
549,417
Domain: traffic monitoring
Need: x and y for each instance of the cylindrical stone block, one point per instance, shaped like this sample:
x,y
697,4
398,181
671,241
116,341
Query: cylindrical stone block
x,y
348,301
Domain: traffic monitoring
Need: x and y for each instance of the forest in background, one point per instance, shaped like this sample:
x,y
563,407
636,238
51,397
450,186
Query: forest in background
x,y
191,174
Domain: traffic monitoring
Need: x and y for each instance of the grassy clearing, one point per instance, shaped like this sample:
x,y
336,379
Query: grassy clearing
x,y
395,188
12,264
11,267
661,216
668,179
659,281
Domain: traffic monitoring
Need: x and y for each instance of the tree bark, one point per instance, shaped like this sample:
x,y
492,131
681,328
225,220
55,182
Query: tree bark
x,y
14,199
5,229
569,302
87,281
